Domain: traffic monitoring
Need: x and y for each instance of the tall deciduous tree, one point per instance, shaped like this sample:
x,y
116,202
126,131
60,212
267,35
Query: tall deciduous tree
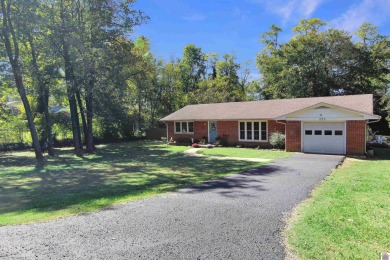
x,y
322,62
33,24
10,38
193,67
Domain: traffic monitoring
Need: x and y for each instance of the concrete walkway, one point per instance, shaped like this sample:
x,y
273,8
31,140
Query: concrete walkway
x,y
237,217
193,152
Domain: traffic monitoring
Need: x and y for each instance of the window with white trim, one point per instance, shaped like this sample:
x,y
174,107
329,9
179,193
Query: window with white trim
x,y
253,131
184,127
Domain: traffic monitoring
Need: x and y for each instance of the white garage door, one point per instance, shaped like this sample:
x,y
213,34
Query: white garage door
x,y
324,138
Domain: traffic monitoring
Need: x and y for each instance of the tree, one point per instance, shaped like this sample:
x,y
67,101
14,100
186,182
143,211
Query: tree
x,y
101,21
225,86
11,42
193,67
32,25
319,62
83,28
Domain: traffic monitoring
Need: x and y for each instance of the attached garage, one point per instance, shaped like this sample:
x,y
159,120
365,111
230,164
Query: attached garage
x,y
327,129
321,137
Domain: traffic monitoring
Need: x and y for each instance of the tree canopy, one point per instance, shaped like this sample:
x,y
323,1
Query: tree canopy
x,y
323,61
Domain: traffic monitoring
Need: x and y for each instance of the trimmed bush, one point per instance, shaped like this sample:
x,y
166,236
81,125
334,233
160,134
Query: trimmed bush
x,y
277,140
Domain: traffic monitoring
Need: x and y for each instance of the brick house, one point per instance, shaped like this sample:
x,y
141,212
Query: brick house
x,y
331,125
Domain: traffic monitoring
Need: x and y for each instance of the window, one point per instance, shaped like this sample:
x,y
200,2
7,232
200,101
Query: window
x,y
190,127
308,132
253,131
242,130
327,132
178,127
263,130
249,130
317,132
184,127
338,132
256,130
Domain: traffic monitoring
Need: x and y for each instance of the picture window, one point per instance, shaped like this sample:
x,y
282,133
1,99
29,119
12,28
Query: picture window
x,y
253,131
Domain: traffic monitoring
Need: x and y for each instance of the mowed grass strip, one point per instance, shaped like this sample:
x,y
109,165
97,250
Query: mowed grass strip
x,y
245,153
348,216
116,173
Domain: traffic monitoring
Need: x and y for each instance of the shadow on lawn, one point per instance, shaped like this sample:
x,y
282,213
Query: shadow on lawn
x,y
113,172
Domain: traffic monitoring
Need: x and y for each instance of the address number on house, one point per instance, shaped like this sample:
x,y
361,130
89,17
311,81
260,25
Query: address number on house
x,y
322,119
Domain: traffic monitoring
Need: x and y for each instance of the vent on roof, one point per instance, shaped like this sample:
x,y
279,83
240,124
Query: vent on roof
x,y
321,107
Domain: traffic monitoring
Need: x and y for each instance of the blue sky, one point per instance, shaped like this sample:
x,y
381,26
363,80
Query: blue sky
x,y
234,26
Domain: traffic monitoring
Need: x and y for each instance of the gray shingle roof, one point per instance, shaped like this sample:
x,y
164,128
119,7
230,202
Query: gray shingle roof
x,y
267,109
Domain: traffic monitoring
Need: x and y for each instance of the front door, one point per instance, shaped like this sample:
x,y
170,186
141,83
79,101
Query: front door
x,y
212,131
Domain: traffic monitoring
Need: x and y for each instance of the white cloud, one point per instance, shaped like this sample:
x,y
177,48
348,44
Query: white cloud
x,y
194,17
374,11
308,7
285,10
292,8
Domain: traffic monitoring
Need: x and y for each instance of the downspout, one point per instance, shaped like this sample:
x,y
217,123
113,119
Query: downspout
x,y
166,126
367,122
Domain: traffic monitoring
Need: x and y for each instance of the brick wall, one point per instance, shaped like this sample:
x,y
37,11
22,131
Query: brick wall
x,y
224,128
293,136
356,137
200,130
274,126
229,129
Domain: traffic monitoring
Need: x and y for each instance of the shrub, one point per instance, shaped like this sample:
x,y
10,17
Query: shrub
x,y
277,140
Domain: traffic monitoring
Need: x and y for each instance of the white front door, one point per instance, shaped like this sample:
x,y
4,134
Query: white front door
x,y
329,138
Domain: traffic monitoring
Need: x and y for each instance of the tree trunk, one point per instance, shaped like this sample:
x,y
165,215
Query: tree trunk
x,y
84,122
43,94
70,88
89,104
70,84
30,118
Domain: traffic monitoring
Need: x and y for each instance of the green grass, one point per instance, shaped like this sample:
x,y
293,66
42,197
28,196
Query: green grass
x,y
116,173
245,153
348,216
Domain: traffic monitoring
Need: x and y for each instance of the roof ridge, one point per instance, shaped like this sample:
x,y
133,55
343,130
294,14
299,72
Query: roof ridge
x,y
279,99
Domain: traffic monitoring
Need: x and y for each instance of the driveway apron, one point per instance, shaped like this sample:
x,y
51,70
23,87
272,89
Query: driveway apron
x,y
236,217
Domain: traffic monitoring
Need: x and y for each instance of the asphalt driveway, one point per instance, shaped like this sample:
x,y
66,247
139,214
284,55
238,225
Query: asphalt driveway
x,y
237,217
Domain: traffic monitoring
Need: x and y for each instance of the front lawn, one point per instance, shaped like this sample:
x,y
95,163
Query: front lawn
x,y
348,216
245,153
116,173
